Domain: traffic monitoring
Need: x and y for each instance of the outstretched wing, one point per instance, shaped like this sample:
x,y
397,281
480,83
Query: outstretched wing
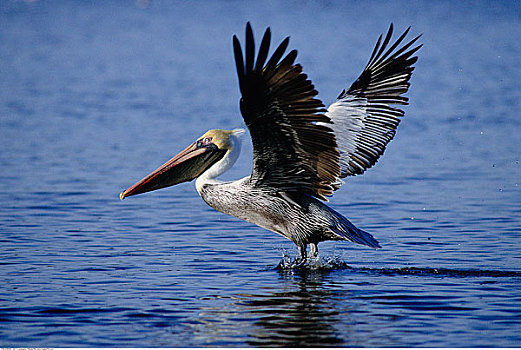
x,y
364,121
291,151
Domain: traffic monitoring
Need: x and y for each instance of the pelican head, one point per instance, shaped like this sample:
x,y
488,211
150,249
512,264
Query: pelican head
x,y
213,147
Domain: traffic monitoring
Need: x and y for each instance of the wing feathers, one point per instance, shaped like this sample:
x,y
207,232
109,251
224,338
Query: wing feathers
x,y
263,51
239,63
277,55
298,147
250,49
364,121
291,151
385,42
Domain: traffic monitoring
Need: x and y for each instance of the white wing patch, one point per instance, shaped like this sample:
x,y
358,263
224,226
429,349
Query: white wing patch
x,y
363,130
363,120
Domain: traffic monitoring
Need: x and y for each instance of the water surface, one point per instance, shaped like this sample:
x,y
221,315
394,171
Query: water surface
x,y
96,95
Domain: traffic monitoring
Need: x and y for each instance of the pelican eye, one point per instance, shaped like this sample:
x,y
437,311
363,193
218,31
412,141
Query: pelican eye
x,y
204,142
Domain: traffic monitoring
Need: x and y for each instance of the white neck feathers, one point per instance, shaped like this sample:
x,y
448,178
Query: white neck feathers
x,y
222,165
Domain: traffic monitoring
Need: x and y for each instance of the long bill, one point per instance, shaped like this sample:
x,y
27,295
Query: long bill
x,y
185,166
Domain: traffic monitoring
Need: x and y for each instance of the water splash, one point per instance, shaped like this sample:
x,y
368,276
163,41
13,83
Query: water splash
x,y
317,264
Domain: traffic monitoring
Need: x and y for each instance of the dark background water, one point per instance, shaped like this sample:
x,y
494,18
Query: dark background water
x,y
94,95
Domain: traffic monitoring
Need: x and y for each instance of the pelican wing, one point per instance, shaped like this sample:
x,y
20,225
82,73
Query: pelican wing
x,y
364,121
294,149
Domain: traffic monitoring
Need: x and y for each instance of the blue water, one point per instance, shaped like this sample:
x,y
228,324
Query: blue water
x,y
94,95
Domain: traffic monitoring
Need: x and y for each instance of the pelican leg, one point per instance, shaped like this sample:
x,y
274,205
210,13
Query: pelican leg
x,y
303,252
313,250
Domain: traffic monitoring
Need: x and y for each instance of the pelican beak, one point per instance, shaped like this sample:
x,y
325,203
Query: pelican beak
x,y
186,166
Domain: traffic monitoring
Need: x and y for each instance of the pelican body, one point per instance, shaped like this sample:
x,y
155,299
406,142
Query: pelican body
x,y
301,151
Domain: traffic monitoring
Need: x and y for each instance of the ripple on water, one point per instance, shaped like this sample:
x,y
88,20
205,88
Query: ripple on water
x,y
333,263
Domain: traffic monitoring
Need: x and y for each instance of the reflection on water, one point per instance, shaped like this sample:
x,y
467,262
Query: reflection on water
x,y
302,316
311,307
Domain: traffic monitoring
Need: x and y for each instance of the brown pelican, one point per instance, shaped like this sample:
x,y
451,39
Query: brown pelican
x,y
301,150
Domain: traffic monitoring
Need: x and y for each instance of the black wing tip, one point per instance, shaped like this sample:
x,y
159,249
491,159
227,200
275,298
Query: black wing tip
x,y
380,54
387,60
239,61
250,48
263,50
250,61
